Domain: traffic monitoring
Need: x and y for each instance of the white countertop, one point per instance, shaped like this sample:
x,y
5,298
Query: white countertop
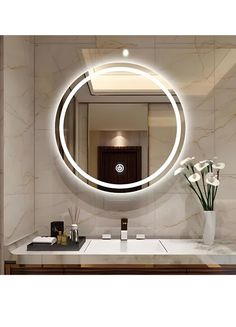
x,y
139,247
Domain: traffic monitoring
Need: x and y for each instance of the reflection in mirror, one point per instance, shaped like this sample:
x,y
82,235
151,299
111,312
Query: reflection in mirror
x,y
119,128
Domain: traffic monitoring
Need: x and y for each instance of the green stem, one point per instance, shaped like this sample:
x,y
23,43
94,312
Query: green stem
x,y
214,196
204,187
191,186
213,192
210,165
208,190
216,188
203,200
208,196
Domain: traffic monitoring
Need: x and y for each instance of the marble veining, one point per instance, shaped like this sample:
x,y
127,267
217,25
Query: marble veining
x,y
18,137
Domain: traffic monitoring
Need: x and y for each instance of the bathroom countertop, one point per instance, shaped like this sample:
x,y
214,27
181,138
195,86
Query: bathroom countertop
x,y
148,251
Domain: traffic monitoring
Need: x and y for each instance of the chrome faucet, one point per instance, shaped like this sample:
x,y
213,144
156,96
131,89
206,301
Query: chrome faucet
x,y
124,229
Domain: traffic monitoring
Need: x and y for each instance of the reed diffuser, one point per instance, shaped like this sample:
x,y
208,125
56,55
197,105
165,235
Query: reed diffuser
x,y
74,215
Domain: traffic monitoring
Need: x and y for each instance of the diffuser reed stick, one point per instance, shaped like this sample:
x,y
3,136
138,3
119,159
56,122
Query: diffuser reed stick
x,y
74,215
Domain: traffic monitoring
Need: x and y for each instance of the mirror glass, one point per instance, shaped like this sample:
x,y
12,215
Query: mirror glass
x,y
120,127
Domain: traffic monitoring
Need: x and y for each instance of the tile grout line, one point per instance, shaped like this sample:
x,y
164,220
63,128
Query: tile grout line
x,y
87,246
163,246
214,100
34,136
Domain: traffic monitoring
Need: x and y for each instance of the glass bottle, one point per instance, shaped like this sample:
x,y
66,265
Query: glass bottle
x,y
64,239
74,233
59,237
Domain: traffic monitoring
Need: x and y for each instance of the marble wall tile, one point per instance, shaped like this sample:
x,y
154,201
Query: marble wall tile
x,y
200,135
19,174
225,112
47,178
225,219
51,207
225,206
185,222
184,41
93,221
200,143
63,60
225,73
227,189
225,122
141,220
18,216
225,41
94,57
125,41
189,71
18,137
83,40
19,114
171,184
56,67
137,41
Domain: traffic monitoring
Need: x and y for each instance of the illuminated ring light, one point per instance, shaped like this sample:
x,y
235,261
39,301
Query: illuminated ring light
x,y
137,72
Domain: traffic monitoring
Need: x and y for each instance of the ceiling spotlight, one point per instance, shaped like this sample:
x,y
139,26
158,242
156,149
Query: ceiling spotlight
x,y
125,53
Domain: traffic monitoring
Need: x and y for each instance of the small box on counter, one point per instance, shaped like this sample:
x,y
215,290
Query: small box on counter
x,y
44,240
56,227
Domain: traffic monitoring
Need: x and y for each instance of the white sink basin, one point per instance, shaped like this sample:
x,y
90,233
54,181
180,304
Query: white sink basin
x,y
125,247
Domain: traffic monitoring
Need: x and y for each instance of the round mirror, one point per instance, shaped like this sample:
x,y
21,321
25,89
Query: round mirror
x,y
120,127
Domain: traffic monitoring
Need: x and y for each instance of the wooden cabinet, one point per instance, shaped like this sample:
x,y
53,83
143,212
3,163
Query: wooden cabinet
x,y
12,268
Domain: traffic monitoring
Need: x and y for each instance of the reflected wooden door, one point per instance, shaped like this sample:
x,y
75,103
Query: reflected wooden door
x,y
119,165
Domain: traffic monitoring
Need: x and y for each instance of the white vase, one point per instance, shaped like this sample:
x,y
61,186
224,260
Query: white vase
x,y
209,227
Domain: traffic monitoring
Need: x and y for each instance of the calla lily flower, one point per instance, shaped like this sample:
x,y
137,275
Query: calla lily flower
x,y
178,171
209,175
211,179
208,161
219,165
201,165
205,171
194,178
186,161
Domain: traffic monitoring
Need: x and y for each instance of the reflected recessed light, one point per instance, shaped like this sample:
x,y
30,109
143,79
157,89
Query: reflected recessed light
x,y
125,52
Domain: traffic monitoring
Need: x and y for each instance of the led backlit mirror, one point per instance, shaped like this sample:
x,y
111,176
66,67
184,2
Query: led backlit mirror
x,y
120,127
